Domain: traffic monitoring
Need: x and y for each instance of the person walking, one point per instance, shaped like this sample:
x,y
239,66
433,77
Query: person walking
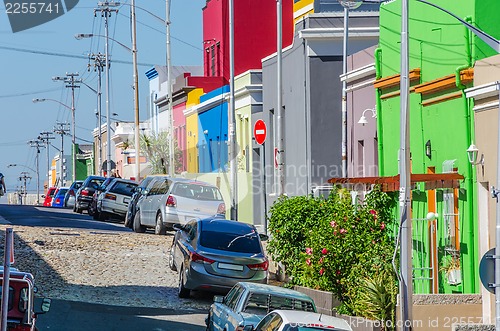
x,y
3,188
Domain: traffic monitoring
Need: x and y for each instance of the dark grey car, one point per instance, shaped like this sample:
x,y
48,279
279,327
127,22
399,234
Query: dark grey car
x,y
215,254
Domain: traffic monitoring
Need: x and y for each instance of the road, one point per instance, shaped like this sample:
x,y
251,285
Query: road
x,y
71,315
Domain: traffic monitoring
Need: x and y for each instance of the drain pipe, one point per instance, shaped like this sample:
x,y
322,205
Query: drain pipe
x,y
378,109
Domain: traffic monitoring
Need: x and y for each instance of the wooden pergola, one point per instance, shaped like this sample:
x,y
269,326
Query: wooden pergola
x,y
391,183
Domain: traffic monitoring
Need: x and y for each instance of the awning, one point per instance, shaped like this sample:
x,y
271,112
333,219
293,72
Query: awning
x,y
391,183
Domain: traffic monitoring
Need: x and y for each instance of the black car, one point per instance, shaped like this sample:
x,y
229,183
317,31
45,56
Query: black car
x,y
132,206
85,193
93,204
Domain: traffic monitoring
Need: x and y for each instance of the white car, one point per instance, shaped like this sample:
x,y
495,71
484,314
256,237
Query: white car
x,y
296,320
113,201
168,201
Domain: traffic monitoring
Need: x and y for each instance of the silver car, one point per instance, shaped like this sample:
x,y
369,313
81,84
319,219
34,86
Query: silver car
x,y
113,201
214,254
168,201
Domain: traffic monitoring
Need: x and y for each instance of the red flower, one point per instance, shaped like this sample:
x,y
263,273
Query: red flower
x,y
321,271
320,260
337,272
343,231
324,251
333,224
382,226
373,212
308,261
309,251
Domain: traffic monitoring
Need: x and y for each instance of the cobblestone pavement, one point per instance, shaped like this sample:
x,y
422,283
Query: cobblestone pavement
x,y
115,268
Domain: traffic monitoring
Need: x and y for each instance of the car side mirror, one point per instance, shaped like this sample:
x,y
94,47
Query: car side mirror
x,y
45,307
145,192
263,237
218,299
178,227
43,196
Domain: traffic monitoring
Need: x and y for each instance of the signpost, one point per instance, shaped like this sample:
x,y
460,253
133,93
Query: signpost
x,y
260,132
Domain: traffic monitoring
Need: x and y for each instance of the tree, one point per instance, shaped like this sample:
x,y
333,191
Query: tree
x,y
156,148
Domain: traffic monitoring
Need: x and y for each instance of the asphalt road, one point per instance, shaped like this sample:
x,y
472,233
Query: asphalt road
x,y
77,316
80,316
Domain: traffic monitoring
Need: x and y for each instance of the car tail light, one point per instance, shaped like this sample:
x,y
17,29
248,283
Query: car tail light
x,y
58,200
195,257
171,201
85,192
110,196
72,193
221,209
21,328
259,266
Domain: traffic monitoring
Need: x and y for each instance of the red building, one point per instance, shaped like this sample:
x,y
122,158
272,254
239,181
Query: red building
x,y
254,34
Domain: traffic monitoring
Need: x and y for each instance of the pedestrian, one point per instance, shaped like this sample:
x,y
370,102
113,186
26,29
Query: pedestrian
x,y
3,188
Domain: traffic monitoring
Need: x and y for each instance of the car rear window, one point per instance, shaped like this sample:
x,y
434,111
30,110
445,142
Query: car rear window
x,y
232,242
123,188
197,191
258,302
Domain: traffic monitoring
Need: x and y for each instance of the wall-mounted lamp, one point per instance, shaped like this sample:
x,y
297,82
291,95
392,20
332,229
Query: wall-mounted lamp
x,y
205,131
472,153
428,149
363,120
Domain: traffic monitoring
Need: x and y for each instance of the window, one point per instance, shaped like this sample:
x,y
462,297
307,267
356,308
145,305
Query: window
x,y
123,188
231,299
212,61
11,295
231,242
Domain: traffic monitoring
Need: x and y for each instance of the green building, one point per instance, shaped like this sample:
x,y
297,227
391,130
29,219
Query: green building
x,y
442,53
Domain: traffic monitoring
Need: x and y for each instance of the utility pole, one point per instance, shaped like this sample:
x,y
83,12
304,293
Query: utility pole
x,y
71,83
231,120
106,9
37,144
24,178
136,94
169,87
61,129
99,64
45,137
279,102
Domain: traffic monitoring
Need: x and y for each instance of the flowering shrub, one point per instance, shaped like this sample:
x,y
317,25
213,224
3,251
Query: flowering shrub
x,y
341,245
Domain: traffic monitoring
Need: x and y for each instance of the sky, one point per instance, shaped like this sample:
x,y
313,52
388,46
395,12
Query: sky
x,y
30,58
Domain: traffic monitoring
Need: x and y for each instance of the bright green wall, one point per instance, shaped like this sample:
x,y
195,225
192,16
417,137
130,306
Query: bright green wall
x,y
439,45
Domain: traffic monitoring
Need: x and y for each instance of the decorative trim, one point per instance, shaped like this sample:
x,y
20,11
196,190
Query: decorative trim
x,y
486,106
445,83
338,33
302,11
358,73
446,97
484,91
394,94
391,81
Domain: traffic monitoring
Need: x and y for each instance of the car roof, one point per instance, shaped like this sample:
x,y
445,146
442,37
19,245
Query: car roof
x,y
316,319
270,289
224,225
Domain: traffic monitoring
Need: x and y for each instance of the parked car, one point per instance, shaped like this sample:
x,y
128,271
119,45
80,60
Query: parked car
x,y
69,199
247,303
85,192
214,254
168,201
138,194
92,210
293,320
21,314
113,201
47,202
58,199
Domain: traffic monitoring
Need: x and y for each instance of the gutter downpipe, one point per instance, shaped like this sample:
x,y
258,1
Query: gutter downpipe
x,y
471,174
378,109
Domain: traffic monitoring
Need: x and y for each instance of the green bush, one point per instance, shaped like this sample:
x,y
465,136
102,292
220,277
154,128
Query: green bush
x,y
335,245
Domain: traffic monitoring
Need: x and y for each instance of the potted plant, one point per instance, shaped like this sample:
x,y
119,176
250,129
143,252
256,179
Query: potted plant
x,y
451,267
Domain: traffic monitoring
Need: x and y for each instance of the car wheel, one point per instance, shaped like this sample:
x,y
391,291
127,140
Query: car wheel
x,y
160,228
95,216
101,216
137,226
183,291
171,262
128,221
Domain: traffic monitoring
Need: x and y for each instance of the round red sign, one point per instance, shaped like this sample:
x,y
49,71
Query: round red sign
x,y
260,132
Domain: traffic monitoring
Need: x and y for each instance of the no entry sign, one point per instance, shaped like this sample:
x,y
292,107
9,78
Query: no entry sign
x,y
260,132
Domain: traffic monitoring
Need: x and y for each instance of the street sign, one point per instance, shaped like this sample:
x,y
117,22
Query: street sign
x,y
260,132
487,270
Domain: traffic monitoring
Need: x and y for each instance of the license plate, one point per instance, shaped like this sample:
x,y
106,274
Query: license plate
x,y
230,266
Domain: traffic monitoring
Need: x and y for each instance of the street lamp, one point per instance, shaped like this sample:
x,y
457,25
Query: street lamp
x,y
348,5
73,135
133,50
363,120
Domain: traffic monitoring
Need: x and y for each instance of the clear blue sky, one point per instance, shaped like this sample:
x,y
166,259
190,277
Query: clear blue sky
x,y
26,73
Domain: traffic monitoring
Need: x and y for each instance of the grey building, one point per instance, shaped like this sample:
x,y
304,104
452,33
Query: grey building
x,y
311,94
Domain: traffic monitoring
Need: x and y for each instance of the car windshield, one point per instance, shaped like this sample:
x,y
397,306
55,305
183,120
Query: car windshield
x,y
123,188
308,328
269,302
197,191
232,242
